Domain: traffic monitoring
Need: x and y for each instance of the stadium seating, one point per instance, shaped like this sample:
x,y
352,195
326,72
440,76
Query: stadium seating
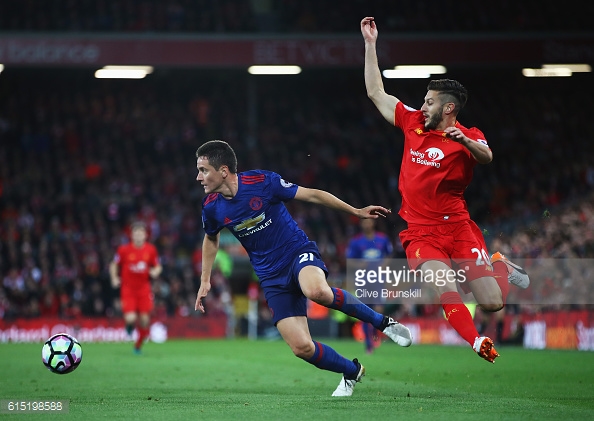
x,y
80,158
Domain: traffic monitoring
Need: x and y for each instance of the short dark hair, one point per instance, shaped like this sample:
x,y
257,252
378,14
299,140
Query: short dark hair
x,y
137,225
452,89
218,152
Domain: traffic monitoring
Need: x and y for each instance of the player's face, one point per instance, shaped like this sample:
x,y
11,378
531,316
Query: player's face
x,y
367,225
210,178
432,110
139,236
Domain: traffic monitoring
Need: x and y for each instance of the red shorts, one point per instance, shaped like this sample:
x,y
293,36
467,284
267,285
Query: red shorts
x,y
136,301
460,245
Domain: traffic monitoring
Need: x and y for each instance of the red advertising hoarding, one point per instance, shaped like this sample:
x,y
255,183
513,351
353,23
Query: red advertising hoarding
x,y
104,329
328,51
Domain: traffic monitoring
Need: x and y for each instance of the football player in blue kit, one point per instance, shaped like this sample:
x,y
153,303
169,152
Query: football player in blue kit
x,y
251,206
373,246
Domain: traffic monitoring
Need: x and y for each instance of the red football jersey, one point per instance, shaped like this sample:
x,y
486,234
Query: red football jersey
x,y
435,170
135,263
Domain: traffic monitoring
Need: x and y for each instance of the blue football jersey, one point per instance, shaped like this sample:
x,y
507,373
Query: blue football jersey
x,y
361,247
258,218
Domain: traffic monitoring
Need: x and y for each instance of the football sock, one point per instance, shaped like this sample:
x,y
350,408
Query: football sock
x,y
482,327
350,305
129,329
458,316
368,330
143,333
327,358
499,331
501,276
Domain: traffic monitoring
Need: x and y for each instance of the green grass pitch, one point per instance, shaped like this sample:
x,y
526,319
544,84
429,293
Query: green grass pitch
x,y
262,380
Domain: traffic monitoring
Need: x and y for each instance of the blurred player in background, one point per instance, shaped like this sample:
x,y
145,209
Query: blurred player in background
x,y
288,265
370,245
437,165
131,269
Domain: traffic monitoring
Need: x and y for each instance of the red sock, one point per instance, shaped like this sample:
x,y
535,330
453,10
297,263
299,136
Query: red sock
x,y
501,274
458,316
143,333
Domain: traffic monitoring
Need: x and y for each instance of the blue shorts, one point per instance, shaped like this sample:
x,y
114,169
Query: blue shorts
x,y
283,293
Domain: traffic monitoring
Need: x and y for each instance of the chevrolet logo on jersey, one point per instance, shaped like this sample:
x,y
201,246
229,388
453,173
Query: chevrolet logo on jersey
x,y
250,223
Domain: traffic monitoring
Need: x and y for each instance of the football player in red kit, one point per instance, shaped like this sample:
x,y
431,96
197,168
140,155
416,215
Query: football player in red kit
x,y
437,166
131,269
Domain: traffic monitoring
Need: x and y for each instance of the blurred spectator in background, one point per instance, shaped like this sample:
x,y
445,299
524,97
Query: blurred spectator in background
x,y
371,246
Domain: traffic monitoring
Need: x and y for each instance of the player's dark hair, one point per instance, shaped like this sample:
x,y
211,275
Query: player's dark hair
x,y
137,225
218,152
451,90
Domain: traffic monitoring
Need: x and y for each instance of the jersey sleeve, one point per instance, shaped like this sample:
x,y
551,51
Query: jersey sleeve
x,y
117,257
476,134
351,251
280,189
403,115
389,248
154,257
209,223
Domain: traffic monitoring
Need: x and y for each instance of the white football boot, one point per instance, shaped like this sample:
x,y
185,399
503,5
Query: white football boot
x,y
396,331
347,385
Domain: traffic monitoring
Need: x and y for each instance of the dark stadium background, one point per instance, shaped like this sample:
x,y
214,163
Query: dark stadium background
x,y
80,158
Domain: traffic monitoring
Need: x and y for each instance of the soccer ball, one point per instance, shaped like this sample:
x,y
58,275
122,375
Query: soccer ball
x,y
61,353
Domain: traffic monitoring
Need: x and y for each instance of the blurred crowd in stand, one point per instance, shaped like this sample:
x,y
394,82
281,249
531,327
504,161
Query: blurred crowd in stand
x,y
81,158
292,16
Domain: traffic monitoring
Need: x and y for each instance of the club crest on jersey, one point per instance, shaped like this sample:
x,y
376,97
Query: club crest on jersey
x,y
250,223
138,267
435,154
256,203
430,157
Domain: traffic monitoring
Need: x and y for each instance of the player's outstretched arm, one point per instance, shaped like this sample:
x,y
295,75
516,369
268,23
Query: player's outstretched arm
x,y
113,274
373,79
322,197
210,246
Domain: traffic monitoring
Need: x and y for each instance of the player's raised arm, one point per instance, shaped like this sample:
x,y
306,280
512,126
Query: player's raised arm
x,y
210,246
322,197
373,79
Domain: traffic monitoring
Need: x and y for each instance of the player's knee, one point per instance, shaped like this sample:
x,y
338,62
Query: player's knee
x,y
130,318
320,295
303,350
492,307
